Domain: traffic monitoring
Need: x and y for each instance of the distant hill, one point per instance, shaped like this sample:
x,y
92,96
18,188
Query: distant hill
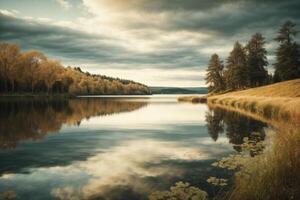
x,y
178,90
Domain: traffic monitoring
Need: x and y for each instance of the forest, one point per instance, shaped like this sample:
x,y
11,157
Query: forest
x,y
32,72
246,66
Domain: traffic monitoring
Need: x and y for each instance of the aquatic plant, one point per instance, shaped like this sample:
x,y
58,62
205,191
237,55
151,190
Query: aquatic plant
x,y
273,174
8,195
217,181
181,191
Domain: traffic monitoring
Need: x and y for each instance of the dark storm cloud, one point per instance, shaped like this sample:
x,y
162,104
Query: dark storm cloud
x,y
66,43
225,21
63,40
31,34
156,6
225,18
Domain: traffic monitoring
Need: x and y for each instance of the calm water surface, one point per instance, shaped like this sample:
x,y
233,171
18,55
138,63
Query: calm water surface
x,y
112,147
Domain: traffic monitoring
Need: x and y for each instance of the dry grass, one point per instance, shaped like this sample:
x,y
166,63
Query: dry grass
x,y
273,174
278,102
193,99
282,89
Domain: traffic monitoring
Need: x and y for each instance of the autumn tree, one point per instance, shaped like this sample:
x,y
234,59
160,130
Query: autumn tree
x,y
31,61
34,72
49,72
287,64
214,74
257,61
67,81
236,74
9,55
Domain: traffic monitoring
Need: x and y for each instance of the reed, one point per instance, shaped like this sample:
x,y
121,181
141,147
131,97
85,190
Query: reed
x,y
273,174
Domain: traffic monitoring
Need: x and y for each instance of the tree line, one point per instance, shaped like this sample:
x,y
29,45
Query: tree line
x,y
246,66
32,72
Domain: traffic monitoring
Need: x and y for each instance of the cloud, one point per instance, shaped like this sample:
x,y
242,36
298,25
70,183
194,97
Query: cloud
x,y
58,40
223,17
153,5
220,22
64,4
10,13
69,43
156,34
130,165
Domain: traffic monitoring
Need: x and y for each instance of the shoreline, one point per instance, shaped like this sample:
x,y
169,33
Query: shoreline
x,y
30,95
275,108
279,106
193,99
280,101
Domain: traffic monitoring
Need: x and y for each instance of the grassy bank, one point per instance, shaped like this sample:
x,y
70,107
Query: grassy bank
x,y
272,174
278,102
275,173
193,99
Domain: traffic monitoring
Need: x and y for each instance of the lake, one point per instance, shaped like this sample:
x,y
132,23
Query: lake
x,y
114,147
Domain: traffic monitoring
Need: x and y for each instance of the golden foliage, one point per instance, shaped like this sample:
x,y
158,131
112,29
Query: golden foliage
x,y
32,71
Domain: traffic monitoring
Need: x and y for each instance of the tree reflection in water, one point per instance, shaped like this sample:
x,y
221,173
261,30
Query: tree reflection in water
x,y
32,119
234,125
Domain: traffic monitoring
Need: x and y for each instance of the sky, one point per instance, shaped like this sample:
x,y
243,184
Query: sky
x,y
155,42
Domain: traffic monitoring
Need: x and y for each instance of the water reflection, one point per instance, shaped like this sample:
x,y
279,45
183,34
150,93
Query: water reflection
x,y
234,125
120,156
33,119
125,169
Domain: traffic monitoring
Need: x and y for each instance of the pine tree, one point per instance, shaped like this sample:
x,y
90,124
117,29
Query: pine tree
x,y
257,61
287,64
236,74
214,76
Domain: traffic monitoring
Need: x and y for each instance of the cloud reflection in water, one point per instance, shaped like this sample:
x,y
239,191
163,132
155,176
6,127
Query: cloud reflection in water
x,y
127,165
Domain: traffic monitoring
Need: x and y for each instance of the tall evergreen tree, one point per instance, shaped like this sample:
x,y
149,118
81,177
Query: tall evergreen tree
x,y
287,64
236,73
257,61
214,76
